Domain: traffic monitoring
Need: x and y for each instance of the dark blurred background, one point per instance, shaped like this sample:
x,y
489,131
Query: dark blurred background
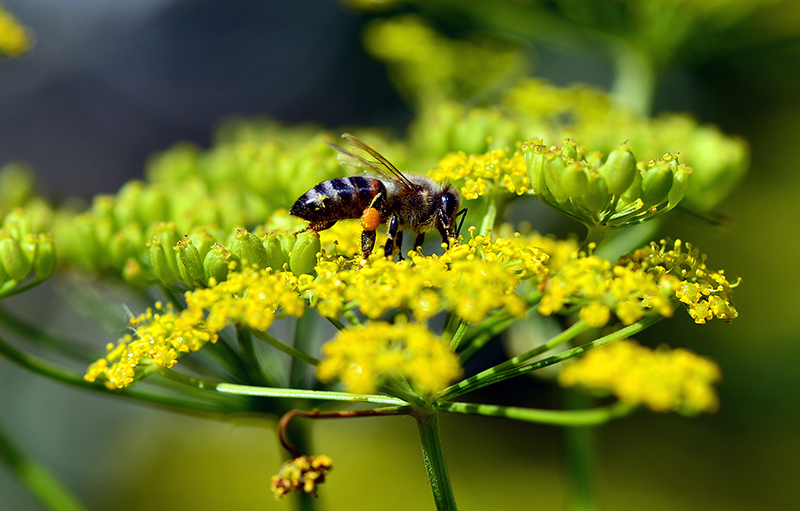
x,y
109,83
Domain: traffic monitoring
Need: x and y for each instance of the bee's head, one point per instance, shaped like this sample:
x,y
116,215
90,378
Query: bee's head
x,y
448,207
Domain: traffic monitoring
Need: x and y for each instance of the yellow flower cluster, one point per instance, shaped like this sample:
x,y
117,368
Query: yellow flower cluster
x,y
159,335
361,357
460,280
301,474
663,380
249,298
707,293
591,283
14,40
478,172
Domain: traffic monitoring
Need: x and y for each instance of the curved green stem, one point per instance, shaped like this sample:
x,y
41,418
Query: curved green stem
x,y
289,350
595,235
573,418
636,76
51,493
43,338
435,465
277,392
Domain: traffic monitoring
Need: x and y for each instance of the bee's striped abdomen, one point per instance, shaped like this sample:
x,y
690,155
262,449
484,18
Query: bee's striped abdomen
x,y
337,199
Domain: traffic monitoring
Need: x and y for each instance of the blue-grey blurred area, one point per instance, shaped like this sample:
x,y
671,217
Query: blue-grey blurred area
x,y
110,82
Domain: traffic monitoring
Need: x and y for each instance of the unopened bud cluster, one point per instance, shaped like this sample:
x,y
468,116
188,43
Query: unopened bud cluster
x,y
23,253
599,191
196,260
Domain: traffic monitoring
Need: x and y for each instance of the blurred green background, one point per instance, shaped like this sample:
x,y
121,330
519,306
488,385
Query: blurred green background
x,y
104,88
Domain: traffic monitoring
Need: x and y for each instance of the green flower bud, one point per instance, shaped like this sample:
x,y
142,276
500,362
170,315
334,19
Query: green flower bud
x,y
574,180
3,275
656,182
161,262
126,208
680,183
125,243
13,258
249,249
619,169
272,246
217,263
533,152
202,240
152,205
303,258
596,196
190,266
44,264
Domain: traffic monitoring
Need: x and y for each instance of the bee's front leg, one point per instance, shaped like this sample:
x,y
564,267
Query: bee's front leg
x,y
419,240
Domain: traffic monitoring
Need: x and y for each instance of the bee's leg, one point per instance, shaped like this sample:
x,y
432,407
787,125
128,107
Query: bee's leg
x,y
394,225
399,244
367,243
444,229
319,226
419,240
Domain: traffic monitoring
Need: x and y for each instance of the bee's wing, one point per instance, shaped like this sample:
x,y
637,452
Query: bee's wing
x,y
381,166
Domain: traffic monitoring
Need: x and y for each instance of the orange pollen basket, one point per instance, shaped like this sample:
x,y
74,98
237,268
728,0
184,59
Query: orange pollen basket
x,y
370,219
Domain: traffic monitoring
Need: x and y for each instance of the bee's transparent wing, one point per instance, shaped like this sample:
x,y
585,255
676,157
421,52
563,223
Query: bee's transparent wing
x,y
382,167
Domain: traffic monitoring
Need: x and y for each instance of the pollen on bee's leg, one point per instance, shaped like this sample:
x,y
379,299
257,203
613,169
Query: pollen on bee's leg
x,y
370,219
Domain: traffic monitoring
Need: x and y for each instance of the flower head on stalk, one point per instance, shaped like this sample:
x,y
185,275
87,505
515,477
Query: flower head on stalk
x,y
706,293
302,474
664,380
363,357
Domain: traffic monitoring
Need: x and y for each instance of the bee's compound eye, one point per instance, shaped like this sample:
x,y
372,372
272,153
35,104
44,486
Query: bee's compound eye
x,y
449,204
370,219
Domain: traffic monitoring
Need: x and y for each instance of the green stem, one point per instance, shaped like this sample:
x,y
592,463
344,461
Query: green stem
x,y
303,340
253,366
289,350
51,493
595,235
490,216
572,418
53,372
435,465
559,339
44,339
579,451
492,375
636,77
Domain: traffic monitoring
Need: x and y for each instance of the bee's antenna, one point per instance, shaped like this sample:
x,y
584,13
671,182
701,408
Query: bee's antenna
x,y
463,215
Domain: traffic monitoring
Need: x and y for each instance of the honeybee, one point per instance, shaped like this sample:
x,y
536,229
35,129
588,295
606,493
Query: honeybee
x,y
412,203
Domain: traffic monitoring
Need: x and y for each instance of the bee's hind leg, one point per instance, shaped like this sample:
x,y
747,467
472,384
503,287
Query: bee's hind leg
x,y
367,242
418,241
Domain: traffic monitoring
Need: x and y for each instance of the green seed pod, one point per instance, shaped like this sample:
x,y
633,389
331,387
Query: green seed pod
x,y
533,152
17,184
13,258
574,180
303,258
126,208
249,249
656,183
619,169
190,265
217,263
569,149
125,243
633,193
287,242
596,196
202,240
134,275
44,264
152,205
680,183
168,235
161,262
18,223
272,246
554,167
